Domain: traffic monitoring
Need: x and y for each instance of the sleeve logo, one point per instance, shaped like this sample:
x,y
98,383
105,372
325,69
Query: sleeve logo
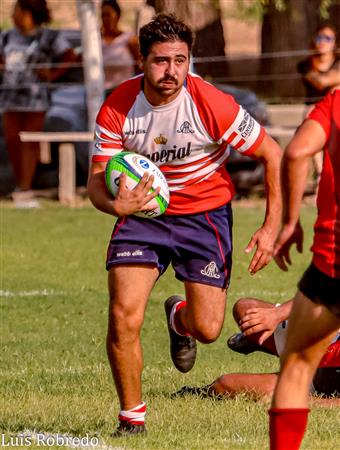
x,y
246,126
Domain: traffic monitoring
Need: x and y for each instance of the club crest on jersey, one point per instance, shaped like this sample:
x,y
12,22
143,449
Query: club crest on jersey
x,y
185,128
162,140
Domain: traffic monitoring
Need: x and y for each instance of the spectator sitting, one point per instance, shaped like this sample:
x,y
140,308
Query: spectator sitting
x,y
321,74
321,71
27,51
120,48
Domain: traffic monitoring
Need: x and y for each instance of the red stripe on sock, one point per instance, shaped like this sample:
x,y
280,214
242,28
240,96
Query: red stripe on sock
x,y
132,421
139,408
179,306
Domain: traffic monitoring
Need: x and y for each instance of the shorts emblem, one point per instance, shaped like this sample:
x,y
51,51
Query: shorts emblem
x,y
210,270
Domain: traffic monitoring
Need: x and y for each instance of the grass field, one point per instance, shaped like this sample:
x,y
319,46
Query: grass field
x,y
54,373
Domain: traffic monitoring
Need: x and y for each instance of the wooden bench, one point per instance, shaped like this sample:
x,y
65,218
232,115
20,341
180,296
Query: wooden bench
x,y
285,119
67,157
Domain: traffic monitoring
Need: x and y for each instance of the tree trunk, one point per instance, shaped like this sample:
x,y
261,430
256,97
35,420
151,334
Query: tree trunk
x,y
92,58
284,31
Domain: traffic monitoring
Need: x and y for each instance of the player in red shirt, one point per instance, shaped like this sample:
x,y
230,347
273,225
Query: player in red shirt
x,y
315,316
185,126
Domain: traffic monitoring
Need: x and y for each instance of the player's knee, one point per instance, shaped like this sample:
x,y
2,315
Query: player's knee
x,y
208,332
221,385
123,323
241,307
297,365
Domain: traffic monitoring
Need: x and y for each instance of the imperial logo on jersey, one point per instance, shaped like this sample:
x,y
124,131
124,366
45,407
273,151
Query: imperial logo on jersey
x,y
188,139
166,155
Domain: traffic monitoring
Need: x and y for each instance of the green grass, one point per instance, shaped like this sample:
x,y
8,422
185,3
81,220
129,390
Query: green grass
x,y
54,372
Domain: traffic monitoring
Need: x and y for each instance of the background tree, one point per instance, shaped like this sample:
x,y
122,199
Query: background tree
x,y
287,26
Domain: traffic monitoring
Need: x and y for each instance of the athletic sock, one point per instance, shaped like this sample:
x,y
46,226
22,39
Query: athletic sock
x,y
287,427
177,306
135,416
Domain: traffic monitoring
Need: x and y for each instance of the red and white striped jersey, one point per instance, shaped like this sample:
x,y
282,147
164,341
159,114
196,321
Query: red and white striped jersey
x,y
326,245
187,138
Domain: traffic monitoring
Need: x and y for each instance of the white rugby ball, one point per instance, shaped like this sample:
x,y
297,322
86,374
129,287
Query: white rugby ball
x,y
135,165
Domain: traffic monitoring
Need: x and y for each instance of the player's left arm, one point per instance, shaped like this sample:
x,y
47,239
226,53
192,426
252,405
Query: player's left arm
x,y
309,139
270,154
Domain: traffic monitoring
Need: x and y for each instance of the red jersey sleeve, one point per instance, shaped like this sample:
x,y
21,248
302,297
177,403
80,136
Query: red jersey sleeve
x,y
108,139
223,118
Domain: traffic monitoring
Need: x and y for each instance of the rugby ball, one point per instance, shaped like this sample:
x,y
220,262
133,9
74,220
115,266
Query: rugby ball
x,y
135,165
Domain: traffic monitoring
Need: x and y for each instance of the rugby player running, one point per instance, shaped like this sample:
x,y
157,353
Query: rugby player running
x,y
315,315
185,126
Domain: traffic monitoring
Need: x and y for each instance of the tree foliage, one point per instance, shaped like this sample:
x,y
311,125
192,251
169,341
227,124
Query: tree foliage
x,y
258,7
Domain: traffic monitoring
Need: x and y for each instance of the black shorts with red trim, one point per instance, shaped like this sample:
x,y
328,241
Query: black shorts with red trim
x,y
326,382
321,289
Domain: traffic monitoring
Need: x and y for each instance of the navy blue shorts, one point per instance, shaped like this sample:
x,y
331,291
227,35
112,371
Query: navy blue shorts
x,y
199,246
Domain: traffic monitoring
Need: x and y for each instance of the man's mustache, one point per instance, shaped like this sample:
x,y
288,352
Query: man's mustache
x,y
168,78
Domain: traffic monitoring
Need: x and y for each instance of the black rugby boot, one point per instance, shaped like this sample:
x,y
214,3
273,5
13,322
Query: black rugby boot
x,y
126,429
182,348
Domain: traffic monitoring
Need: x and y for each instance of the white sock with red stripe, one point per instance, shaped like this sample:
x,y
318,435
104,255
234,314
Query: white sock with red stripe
x,y
177,306
135,416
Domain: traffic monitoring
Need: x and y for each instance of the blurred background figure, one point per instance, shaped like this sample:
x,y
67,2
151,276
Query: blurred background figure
x,y
321,70
27,52
321,74
120,48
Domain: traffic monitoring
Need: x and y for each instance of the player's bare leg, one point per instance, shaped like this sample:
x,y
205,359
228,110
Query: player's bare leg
x,y
129,288
204,314
248,344
244,304
200,316
256,385
310,331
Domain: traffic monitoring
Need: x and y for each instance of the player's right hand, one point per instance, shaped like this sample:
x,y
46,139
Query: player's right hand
x,y
259,321
129,201
288,236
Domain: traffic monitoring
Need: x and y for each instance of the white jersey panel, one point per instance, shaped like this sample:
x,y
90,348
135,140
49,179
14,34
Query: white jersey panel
x,y
174,138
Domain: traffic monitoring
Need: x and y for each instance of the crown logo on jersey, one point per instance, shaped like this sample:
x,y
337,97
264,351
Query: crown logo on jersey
x,y
161,139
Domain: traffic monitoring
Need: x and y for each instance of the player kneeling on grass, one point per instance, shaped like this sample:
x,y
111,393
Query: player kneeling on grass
x,y
185,126
264,328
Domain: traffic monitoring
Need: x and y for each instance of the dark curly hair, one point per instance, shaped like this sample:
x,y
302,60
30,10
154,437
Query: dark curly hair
x,y
163,28
38,9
